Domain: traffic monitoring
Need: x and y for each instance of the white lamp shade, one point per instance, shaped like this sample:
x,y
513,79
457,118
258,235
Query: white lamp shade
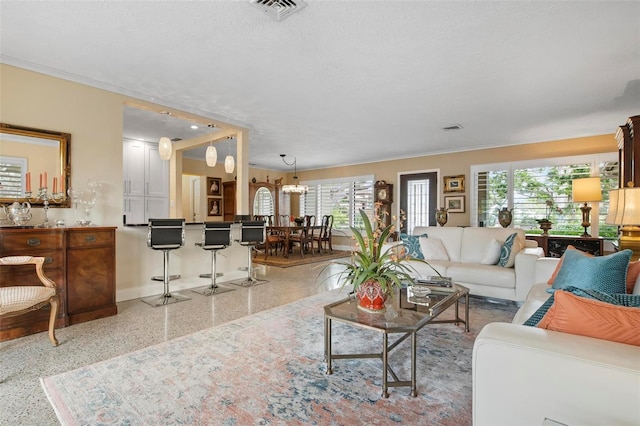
x,y
164,148
586,190
211,156
229,164
624,207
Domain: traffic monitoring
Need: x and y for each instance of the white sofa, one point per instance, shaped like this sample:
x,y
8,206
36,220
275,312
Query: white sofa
x,y
466,247
523,375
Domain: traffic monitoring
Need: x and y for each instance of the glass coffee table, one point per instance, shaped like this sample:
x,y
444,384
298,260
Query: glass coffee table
x,y
407,320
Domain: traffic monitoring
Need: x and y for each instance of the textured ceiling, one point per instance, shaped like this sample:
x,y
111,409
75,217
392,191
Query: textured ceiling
x,y
344,82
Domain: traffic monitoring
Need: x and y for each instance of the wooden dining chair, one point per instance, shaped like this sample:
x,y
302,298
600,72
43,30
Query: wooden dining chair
x,y
304,239
323,236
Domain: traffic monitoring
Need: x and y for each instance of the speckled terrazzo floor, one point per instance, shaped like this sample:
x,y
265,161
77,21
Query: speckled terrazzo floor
x,y
25,360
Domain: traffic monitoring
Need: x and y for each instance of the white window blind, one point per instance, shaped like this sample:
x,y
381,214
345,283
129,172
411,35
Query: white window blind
x,y
12,170
541,189
418,203
263,202
341,198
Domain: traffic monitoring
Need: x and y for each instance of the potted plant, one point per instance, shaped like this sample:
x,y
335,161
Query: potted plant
x,y
545,223
375,270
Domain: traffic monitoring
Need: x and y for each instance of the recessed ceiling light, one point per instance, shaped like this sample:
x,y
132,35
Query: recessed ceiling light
x,y
452,127
194,127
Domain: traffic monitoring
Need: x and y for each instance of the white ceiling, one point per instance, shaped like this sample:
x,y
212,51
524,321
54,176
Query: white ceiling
x,y
344,82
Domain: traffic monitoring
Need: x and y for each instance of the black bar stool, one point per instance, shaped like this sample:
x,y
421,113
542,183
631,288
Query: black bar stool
x,y
215,236
252,235
165,235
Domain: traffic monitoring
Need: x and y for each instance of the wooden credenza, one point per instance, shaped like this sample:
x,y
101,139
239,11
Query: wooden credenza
x,y
555,245
81,261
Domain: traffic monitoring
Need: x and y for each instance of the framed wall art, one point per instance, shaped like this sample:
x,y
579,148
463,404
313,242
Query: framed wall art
x,y
454,204
214,186
214,207
454,183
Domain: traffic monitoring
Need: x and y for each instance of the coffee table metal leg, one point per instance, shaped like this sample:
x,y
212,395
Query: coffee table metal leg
x,y
414,387
327,344
466,312
385,360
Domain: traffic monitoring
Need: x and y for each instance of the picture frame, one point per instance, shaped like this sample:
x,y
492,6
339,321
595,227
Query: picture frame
x,y
454,204
454,183
214,207
214,186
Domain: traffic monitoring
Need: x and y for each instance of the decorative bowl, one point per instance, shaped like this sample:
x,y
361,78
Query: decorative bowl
x,y
420,291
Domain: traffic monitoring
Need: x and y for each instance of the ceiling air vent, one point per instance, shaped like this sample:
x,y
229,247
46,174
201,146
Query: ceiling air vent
x,y
278,9
452,127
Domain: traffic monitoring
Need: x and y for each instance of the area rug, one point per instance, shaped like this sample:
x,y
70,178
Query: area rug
x,y
268,368
295,259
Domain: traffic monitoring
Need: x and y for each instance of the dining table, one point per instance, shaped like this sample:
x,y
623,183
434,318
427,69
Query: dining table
x,y
285,231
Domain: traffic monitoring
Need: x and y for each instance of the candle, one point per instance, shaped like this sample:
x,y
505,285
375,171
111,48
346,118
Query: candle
x,y
40,181
45,180
55,185
62,184
28,181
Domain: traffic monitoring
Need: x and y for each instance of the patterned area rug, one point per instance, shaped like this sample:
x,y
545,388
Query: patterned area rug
x,y
295,259
268,369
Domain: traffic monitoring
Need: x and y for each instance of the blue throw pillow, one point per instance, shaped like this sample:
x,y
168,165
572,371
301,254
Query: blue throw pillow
x,y
412,244
505,252
607,274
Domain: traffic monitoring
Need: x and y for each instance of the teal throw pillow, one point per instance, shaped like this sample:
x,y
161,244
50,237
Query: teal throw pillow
x,y
607,274
506,260
412,244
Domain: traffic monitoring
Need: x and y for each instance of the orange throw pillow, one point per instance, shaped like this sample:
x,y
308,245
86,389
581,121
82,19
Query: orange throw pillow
x,y
632,275
592,318
555,273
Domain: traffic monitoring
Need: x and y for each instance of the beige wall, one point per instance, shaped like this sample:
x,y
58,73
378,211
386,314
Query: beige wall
x,y
94,119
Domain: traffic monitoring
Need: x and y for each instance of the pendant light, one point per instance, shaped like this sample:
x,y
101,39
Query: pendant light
x,y
297,188
229,162
164,146
211,155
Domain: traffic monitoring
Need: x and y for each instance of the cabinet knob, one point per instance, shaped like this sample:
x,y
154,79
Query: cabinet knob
x,y
90,238
33,242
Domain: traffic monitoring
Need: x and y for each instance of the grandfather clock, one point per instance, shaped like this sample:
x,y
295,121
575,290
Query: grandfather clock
x,y
628,137
383,194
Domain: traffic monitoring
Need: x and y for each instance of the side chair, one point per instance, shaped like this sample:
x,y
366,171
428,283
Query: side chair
x,y
18,300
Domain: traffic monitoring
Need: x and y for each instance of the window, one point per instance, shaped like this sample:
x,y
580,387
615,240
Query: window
x,y
11,171
263,202
342,198
542,189
418,203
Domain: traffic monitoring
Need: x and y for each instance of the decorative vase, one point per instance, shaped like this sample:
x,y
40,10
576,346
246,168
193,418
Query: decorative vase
x,y
371,296
442,216
545,226
505,217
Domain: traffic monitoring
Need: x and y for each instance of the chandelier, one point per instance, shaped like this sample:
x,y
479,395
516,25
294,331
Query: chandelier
x,y
297,188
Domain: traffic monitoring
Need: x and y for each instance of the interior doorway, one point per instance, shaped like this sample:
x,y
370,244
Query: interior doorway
x,y
419,199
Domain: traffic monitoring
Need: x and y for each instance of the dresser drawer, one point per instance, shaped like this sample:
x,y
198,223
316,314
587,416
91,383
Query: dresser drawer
x,y
86,239
30,242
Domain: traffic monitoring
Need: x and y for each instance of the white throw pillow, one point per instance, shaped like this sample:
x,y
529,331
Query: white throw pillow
x,y
432,249
492,254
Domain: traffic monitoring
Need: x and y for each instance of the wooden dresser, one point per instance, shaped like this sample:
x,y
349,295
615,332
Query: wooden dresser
x,y
81,261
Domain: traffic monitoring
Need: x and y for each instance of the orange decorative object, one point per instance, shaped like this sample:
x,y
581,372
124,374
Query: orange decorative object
x,y
371,296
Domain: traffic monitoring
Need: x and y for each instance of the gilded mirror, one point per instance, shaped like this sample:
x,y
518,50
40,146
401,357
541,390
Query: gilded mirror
x,y
27,152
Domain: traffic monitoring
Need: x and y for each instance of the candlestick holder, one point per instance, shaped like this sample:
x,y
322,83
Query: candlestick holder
x,y
46,198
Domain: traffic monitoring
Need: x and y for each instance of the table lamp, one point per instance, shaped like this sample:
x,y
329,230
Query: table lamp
x,y
624,211
586,190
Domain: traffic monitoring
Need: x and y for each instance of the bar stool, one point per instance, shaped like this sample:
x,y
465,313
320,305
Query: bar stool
x,y
165,235
252,235
215,236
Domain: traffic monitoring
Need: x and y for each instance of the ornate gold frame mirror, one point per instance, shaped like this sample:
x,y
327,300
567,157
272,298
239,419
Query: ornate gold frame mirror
x,y
34,151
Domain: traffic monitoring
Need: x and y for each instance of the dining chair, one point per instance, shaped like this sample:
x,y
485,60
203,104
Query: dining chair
x,y
323,237
18,300
304,239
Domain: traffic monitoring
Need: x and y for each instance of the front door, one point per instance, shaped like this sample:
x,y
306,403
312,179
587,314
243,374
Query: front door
x,y
418,199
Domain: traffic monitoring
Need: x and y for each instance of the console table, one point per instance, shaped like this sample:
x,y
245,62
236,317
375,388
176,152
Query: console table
x,y
555,245
81,261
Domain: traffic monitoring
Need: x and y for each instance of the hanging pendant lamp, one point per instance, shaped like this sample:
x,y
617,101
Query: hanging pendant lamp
x,y
229,162
296,188
211,156
164,146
